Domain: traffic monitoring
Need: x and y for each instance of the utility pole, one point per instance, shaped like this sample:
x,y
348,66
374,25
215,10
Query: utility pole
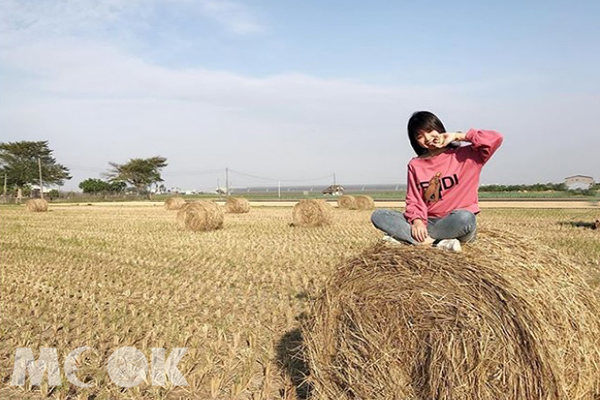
x,y
41,182
226,181
279,189
4,192
334,179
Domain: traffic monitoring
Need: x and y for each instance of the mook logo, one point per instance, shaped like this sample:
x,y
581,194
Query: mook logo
x,y
127,367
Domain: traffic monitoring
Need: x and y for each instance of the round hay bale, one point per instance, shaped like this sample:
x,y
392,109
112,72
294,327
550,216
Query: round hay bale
x,y
312,212
364,202
506,319
237,205
200,216
37,205
174,203
347,201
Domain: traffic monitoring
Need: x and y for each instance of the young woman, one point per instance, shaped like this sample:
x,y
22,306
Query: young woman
x,y
442,184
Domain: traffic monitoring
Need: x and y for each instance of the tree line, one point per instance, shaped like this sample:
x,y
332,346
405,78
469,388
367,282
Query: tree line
x,y
23,163
538,187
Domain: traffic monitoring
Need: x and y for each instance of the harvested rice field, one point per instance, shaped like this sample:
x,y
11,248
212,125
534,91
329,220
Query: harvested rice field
x,y
110,277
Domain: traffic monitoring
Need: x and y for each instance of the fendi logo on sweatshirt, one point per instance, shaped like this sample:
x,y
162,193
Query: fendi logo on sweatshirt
x,y
432,189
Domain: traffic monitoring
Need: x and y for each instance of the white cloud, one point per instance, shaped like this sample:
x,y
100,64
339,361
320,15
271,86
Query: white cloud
x,y
234,16
43,19
33,19
96,103
79,69
110,106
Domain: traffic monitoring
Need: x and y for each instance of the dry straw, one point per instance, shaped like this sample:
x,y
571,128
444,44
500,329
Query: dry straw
x,y
506,319
347,201
364,202
237,205
312,212
200,216
174,203
37,205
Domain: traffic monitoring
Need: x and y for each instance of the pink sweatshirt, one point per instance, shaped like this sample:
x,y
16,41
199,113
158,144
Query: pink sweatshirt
x,y
457,170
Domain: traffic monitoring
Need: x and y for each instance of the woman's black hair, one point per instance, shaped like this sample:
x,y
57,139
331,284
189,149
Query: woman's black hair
x,y
422,121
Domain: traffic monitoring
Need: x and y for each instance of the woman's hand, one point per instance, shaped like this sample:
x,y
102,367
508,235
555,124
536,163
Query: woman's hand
x,y
419,230
444,139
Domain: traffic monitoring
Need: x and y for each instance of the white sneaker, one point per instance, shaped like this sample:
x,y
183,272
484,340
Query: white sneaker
x,y
389,239
450,245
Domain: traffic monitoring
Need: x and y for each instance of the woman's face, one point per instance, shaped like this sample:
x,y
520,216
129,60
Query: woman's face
x,y
429,140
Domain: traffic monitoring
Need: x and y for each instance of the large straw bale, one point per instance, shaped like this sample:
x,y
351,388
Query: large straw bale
x,y
364,202
347,201
237,205
200,216
37,205
174,203
312,212
506,319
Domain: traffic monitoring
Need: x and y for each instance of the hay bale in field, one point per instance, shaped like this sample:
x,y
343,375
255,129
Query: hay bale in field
x,y
200,216
237,205
174,203
347,201
312,212
506,319
37,205
364,202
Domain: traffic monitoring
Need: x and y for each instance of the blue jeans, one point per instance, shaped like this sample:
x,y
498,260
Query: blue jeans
x,y
459,224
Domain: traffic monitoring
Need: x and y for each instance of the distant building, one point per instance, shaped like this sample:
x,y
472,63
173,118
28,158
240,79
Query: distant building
x,y
579,182
334,190
37,188
35,191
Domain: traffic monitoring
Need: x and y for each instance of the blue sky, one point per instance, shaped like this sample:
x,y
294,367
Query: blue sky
x,y
295,90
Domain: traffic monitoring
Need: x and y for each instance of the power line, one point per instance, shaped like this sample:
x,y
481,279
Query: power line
x,y
165,173
188,173
253,176
183,173
312,179
328,176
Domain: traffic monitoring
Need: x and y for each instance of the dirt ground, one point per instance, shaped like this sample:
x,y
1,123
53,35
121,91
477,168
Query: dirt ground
x,y
124,274
378,204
